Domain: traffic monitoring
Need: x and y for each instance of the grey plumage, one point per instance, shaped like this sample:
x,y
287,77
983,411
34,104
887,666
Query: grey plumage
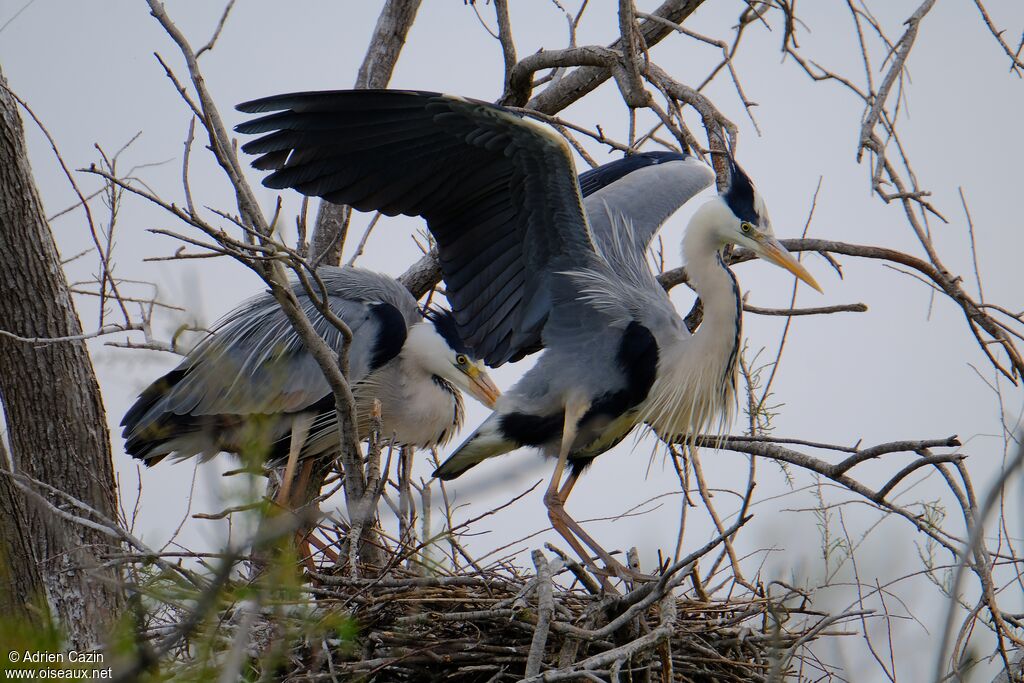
x,y
242,388
496,191
609,326
528,267
518,254
645,188
458,163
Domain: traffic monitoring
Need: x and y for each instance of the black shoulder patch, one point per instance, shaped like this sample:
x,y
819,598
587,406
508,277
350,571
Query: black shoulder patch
x,y
531,430
606,174
638,359
444,323
740,194
391,334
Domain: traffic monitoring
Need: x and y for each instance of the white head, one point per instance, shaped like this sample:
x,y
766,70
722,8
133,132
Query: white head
x,y
739,216
435,346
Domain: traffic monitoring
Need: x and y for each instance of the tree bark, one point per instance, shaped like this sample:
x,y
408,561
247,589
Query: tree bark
x,y
386,44
585,79
55,420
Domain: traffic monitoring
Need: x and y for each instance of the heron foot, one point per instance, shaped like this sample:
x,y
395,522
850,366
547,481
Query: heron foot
x,y
576,537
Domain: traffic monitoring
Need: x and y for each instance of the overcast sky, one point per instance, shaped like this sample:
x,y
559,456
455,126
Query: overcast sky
x,y
907,369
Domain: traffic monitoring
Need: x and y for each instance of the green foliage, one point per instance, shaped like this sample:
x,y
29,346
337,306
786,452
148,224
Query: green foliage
x,y
20,634
259,623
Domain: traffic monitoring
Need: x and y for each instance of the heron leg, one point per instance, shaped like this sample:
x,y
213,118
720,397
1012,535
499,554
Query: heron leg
x,y
304,537
574,410
561,522
302,482
570,481
572,527
563,495
300,429
616,566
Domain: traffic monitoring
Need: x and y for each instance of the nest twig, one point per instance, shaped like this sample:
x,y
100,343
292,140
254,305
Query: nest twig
x,y
501,624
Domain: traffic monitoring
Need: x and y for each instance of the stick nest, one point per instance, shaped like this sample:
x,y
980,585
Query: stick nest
x,y
552,625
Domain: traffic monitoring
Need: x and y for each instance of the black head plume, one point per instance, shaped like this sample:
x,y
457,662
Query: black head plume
x,y
741,196
444,323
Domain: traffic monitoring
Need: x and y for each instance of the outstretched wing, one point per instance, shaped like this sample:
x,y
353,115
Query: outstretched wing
x,y
645,188
499,193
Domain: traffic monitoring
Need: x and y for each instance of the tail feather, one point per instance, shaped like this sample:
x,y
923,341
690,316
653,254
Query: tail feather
x,y
146,428
486,442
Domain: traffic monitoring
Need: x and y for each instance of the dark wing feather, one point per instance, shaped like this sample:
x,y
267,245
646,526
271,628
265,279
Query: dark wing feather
x,y
498,192
604,175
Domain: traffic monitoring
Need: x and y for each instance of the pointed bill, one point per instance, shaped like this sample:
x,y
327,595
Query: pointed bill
x,y
774,252
482,387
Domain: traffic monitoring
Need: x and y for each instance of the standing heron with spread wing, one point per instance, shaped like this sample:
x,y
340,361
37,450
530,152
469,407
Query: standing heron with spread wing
x,y
252,388
527,267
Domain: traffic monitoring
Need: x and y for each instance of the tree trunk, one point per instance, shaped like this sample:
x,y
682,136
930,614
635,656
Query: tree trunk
x,y
55,420
386,44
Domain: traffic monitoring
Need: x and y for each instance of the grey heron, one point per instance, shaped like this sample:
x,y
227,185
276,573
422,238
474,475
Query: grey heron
x,y
251,387
526,266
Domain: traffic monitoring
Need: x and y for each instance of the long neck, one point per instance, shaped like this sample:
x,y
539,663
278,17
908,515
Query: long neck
x,y
432,406
695,389
718,336
421,360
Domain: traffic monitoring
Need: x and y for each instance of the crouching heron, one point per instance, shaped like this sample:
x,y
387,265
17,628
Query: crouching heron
x,y
252,388
528,267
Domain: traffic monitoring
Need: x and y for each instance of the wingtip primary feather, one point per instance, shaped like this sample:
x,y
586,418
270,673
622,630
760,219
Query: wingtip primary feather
x,y
486,442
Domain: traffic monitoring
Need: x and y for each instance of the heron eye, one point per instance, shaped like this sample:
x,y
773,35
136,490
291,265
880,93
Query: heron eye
x,y
746,227
461,359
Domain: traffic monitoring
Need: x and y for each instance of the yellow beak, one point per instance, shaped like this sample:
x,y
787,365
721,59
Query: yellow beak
x,y
771,250
481,387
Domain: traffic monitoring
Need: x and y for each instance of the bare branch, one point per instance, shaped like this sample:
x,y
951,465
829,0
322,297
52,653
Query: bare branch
x,y
900,54
217,31
581,81
814,310
1016,65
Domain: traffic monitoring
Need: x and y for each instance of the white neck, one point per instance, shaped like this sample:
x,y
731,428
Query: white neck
x,y
425,351
695,389
714,283
415,407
